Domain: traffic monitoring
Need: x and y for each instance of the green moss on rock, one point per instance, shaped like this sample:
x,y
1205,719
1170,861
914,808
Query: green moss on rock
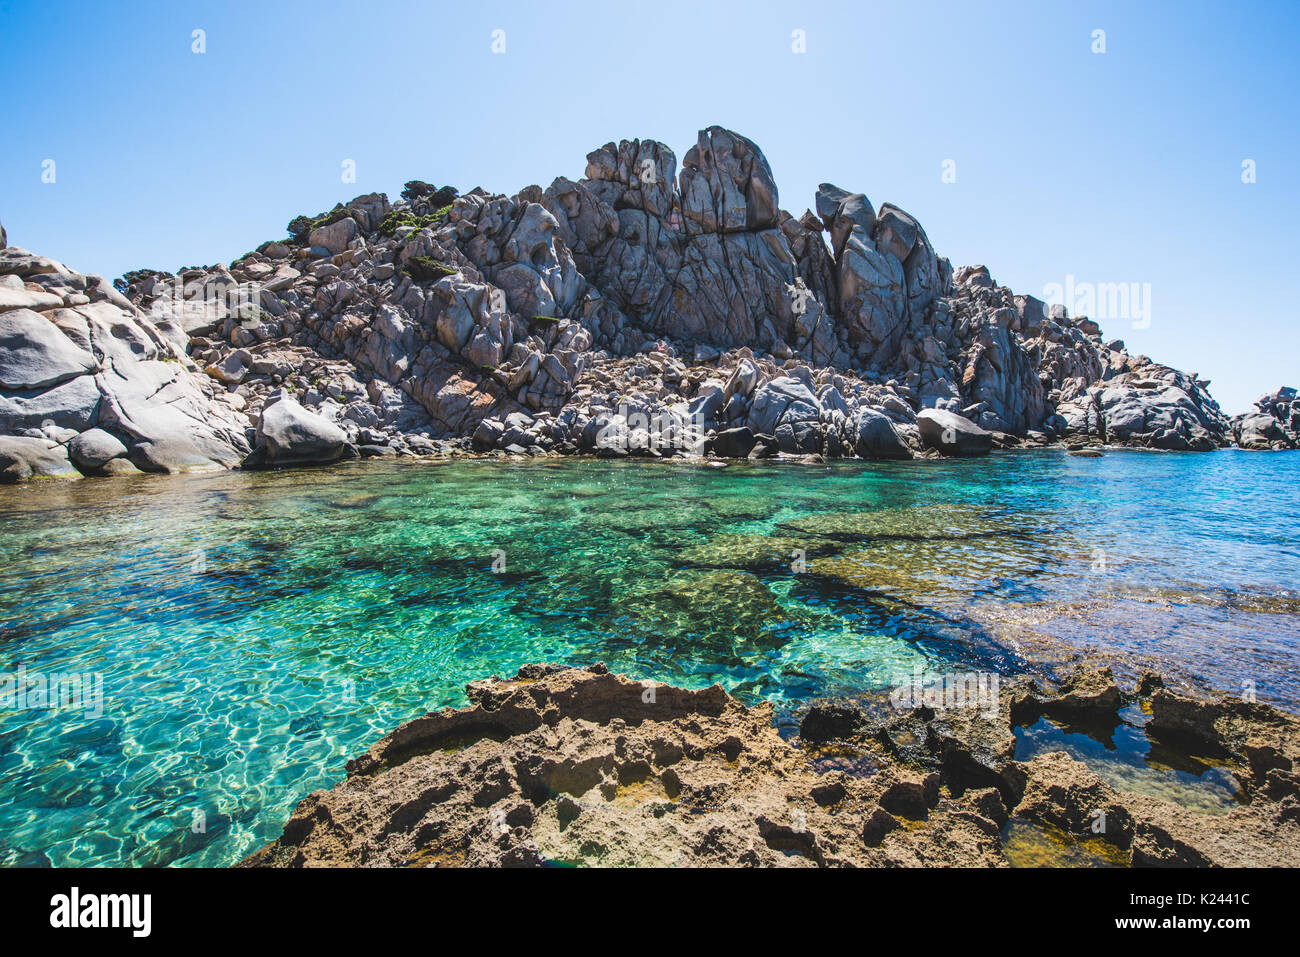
x,y
427,269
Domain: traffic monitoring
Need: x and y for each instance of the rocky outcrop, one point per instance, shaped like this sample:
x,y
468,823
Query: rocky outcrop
x,y
660,308
1275,423
1149,405
87,380
583,767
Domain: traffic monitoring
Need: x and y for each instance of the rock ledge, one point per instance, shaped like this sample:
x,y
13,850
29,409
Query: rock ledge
x,y
579,766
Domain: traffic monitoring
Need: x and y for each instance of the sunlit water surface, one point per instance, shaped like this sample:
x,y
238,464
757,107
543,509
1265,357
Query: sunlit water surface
x,y
253,631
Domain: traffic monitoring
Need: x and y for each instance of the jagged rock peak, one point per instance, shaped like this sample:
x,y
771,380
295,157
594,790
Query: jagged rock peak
x,y
642,309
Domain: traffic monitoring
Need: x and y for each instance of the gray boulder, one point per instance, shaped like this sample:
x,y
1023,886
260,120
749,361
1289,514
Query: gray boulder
x,y
707,403
22,458
336,237
488,434
288,434
952,434
93,449
874,437
733,443
744,379
782,401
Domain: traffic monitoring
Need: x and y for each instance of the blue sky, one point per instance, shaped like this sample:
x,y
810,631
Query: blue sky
x,y
1115,167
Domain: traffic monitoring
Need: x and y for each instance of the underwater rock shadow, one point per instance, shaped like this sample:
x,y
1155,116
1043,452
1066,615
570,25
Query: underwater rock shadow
x,y
974,644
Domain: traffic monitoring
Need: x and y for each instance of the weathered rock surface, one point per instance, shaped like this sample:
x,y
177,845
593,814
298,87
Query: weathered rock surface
x,y
35,355
1275,423
952,434
1148,405
94,449
664,307
287,434
22,457
580,766
78,359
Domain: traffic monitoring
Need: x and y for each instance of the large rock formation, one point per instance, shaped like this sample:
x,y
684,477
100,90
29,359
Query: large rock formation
x,y
1275,423
639,310
952,434
89,384
583,767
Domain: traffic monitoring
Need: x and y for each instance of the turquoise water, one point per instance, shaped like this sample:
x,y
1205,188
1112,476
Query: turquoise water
x,y
253,631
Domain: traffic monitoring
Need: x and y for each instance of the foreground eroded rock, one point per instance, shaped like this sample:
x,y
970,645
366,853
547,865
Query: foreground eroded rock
x,y
577,766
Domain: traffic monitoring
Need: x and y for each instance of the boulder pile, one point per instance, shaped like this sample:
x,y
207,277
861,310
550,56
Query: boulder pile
x,y
640,310
89,385
1275,423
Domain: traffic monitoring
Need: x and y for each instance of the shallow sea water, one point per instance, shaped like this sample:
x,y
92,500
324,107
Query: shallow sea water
x,y
253,631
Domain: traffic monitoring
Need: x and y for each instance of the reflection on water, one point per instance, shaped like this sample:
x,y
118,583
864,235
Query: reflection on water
x,y
1125,758
254,631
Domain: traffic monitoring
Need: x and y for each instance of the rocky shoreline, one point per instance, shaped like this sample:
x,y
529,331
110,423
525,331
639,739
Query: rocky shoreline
x,y
578,766
641,310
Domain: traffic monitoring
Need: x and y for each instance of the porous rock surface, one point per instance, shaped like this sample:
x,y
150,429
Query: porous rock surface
x,y
581,766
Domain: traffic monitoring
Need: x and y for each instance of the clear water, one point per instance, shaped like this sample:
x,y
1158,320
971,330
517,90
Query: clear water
x,y
254,631
1125,758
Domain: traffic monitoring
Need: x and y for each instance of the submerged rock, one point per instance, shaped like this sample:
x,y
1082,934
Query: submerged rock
x,y
726,614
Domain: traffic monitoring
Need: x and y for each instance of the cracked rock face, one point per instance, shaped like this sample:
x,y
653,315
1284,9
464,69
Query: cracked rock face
x,y
77,359
580,766
417,329
1275,423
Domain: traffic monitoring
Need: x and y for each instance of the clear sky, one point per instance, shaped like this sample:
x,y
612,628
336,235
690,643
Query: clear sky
x,y
1115,167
